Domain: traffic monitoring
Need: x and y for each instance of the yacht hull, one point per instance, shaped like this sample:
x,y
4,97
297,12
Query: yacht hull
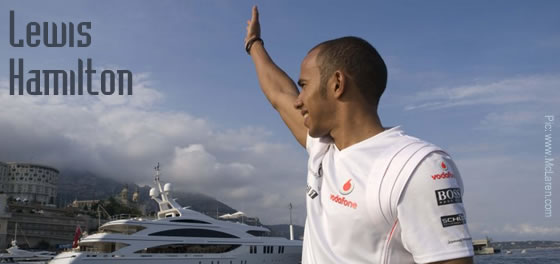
x,y
82,258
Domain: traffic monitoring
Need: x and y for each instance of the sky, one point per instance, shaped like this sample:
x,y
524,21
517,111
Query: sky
x,y
476,78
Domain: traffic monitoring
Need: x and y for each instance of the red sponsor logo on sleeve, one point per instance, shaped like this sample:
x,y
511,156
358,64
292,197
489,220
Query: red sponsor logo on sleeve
x,y
445,174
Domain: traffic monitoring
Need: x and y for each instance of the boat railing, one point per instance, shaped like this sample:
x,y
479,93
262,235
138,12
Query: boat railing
x,y
131,216
123,216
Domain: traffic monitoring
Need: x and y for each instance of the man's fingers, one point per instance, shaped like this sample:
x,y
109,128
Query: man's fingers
x,y
255,16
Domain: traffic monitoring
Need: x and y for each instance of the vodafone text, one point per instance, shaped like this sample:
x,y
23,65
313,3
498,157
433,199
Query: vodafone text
x,y
443,175
343,201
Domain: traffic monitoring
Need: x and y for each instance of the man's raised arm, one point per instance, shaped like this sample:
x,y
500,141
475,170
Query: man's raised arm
x,y
278,88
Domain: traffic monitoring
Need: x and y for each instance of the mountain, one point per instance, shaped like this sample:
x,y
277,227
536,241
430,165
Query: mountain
x,y
203,203
83,185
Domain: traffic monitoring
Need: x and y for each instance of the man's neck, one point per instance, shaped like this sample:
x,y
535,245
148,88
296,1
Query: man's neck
x,y
356,127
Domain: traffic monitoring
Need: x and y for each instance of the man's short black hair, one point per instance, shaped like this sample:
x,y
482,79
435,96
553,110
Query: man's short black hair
x,y
357,58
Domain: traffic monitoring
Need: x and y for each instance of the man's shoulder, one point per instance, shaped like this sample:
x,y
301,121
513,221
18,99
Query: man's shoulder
x,y
396,136
381,144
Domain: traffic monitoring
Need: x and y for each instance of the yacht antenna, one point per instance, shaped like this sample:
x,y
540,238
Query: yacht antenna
x,y
291,226
157,171
158,184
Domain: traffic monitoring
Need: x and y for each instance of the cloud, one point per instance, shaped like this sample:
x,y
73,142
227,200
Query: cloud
x,y
526,229
195,164
122,137
143,95
508,120
535,89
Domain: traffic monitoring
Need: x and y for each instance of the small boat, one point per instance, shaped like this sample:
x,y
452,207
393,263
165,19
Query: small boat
x,y
482,247
508,251
17,255
523,251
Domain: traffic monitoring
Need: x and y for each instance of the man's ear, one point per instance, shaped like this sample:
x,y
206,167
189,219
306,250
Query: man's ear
x,y
338,84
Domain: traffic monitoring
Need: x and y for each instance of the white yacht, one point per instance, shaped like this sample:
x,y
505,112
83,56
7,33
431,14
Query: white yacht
x,y
180,235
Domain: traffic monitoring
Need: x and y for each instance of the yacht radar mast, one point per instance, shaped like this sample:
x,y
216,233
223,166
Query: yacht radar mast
x,y
168,207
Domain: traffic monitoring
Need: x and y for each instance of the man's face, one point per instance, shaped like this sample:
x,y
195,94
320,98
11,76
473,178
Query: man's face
x,y
315,107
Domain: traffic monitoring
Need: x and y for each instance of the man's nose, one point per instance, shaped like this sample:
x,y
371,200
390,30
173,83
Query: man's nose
x,y
298,103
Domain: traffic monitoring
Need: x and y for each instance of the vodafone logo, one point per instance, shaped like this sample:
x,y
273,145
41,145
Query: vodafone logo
x,y
347,188
445,174
342,201
443,166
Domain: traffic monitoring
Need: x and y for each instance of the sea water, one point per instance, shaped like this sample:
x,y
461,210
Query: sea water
x,y
531,256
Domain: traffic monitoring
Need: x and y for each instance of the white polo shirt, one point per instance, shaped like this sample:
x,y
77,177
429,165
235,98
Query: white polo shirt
x,y
391,198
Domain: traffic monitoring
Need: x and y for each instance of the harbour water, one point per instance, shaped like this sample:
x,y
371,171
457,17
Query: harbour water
x,y
531,256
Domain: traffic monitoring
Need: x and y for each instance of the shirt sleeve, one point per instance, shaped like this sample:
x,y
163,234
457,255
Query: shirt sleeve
x,y
431,214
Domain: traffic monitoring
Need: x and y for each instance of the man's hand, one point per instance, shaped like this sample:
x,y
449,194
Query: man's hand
x,y
253,26
276,85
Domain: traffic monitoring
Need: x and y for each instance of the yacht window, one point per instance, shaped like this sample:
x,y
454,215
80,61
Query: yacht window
x,y
121,229
193,232
101,247
257,233
189,221
188,249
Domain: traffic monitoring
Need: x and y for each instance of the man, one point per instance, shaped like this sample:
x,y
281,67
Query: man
x,y
374,195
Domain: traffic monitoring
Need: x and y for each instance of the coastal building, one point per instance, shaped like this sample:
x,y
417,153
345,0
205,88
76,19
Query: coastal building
x,y
28,182
3,175
83,204
4,219
136,196
40,226
122,198
27,195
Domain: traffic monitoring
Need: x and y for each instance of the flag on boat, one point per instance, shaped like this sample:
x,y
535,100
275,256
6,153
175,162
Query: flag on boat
x,y
77,236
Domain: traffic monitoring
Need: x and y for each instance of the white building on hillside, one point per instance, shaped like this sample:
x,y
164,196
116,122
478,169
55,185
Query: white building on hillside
x,y
29,182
